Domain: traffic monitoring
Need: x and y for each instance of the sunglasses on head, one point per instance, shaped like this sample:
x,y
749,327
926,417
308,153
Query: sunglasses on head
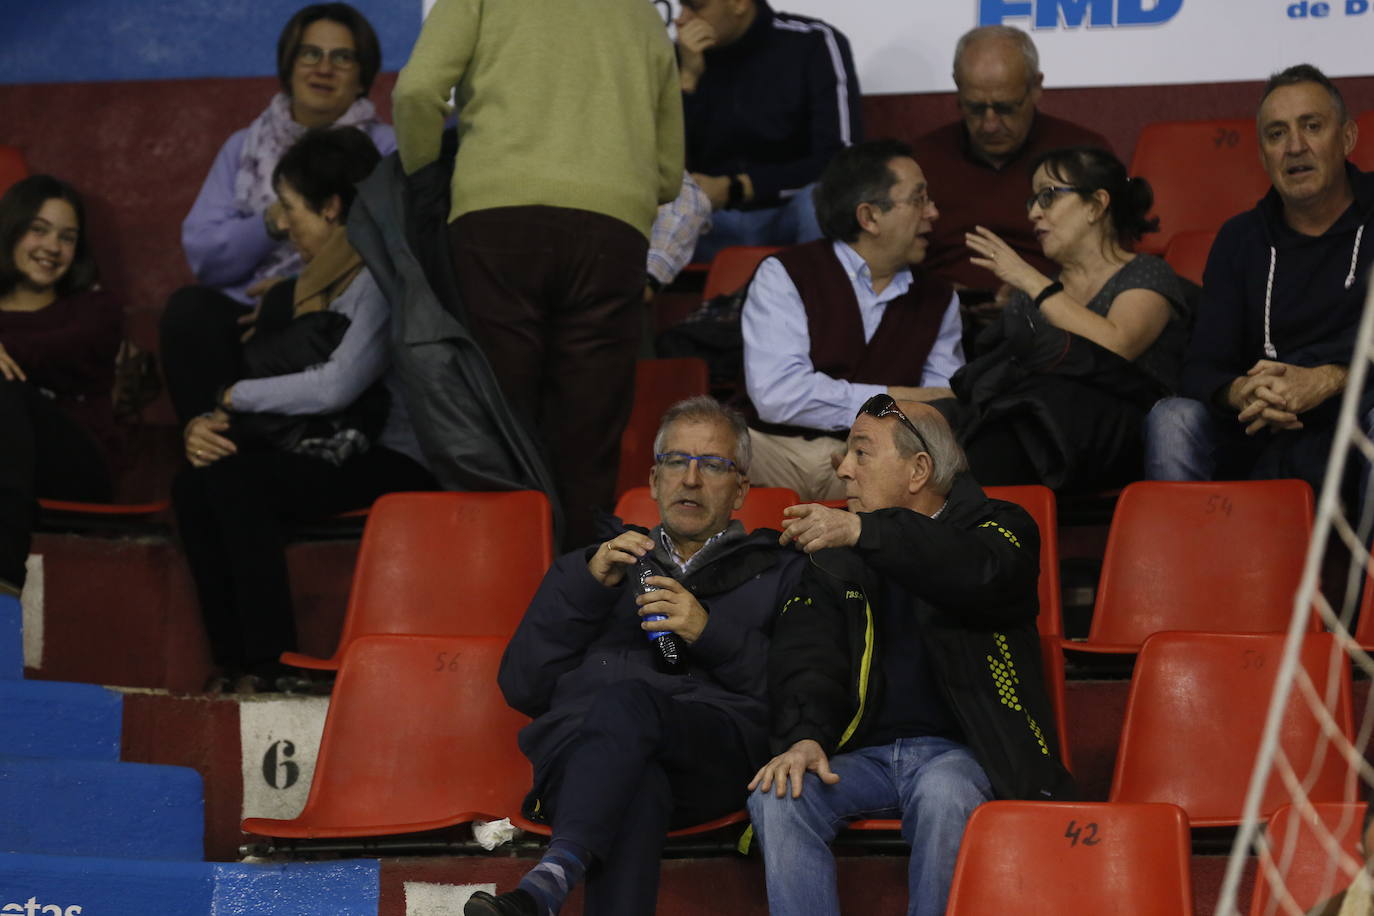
x,y
884,405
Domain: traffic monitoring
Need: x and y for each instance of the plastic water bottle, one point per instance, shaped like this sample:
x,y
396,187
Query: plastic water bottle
x,y
669,659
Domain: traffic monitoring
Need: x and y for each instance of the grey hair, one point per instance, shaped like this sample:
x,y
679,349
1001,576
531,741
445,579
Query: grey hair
x,y
1305,73
703,408
1006,33
947,458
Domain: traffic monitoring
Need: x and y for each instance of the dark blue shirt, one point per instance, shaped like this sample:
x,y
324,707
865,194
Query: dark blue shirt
x,y
910,704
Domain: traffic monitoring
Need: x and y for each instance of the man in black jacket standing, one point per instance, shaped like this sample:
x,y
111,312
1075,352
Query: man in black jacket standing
x,y
623,748
904,674
768,98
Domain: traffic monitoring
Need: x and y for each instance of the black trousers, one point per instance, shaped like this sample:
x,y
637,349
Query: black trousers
x,y
554,297
643,764
234,516
43,452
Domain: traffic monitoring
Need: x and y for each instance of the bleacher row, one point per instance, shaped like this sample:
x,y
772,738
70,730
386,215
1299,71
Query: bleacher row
x,y
416,673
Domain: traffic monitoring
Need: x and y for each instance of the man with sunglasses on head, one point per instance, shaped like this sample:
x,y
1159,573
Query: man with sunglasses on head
x,y
904,674
979,162
831,323
625,747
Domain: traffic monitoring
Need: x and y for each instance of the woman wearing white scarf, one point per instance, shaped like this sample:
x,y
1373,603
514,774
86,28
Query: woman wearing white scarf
x,y
327,58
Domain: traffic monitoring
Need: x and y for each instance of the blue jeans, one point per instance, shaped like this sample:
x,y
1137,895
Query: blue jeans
x,y
1182,440
792,222
932,784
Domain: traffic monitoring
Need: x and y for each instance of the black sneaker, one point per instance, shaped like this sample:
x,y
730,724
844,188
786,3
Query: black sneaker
x,y
512,903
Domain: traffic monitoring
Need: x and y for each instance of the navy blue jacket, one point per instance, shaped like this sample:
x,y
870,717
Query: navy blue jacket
x,y
776,105
1314,287
579,636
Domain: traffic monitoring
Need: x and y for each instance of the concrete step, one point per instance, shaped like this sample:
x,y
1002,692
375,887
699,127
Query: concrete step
x,y
55,719
73,886
97,808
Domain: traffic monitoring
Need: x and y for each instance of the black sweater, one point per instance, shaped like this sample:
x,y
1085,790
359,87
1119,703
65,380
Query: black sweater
x,y
776,105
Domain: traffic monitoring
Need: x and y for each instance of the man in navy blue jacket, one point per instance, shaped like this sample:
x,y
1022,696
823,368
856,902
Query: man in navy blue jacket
x,y
1282,296
623,750
768,98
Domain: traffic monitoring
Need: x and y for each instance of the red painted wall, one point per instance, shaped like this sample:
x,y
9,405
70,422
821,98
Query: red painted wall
x,y
140,149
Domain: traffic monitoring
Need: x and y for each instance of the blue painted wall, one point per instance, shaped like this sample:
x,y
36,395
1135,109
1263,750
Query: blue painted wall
x,y
63,41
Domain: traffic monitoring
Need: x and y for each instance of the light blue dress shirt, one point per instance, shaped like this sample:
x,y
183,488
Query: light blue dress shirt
x,y
779,376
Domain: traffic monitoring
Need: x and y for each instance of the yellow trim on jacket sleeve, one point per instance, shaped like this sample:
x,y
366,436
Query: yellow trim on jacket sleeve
x,y
865,666
1005,533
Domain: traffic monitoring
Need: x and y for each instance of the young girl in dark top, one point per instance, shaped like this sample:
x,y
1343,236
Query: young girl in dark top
x,y
58,338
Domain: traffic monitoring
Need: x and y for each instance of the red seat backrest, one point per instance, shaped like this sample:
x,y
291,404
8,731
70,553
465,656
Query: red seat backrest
x,y
1196,712
12,167
1298,851
1223,556
1187,253
733,267
1202,172
1050,858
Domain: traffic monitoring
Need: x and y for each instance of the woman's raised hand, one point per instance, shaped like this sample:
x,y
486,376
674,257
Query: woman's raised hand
x,y
997,256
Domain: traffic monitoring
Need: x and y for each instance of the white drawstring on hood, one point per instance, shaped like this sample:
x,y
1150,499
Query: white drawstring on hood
x,y
1269,350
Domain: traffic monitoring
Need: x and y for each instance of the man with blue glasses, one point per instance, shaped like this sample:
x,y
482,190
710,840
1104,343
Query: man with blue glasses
x,y
904,672
625,747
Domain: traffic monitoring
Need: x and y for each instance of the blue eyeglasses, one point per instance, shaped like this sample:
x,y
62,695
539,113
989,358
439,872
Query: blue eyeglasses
x,y
679,462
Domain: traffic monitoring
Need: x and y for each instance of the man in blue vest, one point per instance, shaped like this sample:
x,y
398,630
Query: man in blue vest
x,y
830,323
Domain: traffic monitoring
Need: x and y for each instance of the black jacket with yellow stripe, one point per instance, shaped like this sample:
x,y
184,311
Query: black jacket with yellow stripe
x,y
973,571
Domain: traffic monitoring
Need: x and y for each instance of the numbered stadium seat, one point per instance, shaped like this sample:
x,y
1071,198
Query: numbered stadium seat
x,y
734,267
762,507
1202,172
445,564
1051,858
1187,253
1195,714
1222,556
1298,853
12,167
659,384
417,737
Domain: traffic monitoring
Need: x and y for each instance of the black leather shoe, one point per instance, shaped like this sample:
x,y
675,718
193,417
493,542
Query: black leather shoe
x,y
512,903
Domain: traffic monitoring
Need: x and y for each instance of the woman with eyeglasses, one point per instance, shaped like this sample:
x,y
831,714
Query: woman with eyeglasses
x,y
308,423
327,58
1077,358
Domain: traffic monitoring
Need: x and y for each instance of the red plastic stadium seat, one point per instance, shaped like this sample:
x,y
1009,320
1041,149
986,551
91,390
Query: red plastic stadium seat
x,y
445,563
733,267
1297,850
659,384
417,737
1195,715
1363,155
1039,502
1221,556
762,507
1187,253
12,167
1051,858
1202,172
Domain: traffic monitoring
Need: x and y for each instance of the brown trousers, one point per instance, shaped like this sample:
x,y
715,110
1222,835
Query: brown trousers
x,y
553,296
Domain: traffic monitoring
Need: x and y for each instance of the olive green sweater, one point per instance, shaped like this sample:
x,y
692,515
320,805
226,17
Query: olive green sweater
x,y
559,103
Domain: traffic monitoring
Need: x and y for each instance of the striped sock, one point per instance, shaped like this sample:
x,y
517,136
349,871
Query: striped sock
x,y
556,875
